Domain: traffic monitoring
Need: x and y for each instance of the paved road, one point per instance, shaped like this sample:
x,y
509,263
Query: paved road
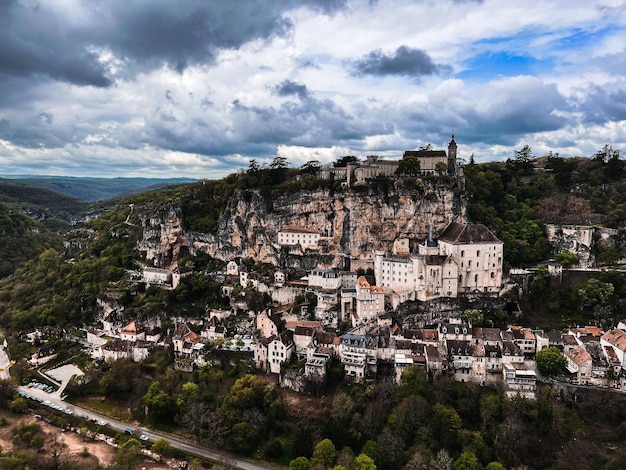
x,y
175,442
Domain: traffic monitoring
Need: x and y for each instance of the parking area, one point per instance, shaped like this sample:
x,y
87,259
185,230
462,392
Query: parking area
x,y
61,376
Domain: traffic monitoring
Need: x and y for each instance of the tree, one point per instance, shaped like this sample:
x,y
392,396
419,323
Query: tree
x,y
467,461
550,360
189,392
495,466
364,462
311,167
300,463
372,449
343,161
523,162
441,168
442,460
128,454
409,165
566,258
473,316
324,454
162,447
159,404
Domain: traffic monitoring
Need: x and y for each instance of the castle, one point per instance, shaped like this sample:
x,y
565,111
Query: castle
x,y
358,173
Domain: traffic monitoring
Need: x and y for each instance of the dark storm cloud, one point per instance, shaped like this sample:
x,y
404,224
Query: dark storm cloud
x,y
66,45
35,42
404,61
602,106
289,88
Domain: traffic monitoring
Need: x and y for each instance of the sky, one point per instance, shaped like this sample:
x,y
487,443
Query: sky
x,y
198,88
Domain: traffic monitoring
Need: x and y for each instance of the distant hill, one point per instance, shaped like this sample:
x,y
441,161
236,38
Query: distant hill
x,y
94,189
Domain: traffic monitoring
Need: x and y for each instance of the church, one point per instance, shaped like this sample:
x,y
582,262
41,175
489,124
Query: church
x,y
465,259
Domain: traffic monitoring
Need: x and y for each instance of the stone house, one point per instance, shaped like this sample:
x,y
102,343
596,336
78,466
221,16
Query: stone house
x,y
580,364
280,350
370,302
116,349
42,356
460,359
519,379
133,331
615,341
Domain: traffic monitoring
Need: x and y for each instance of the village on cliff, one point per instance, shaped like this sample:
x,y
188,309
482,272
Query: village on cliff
x,y
349,313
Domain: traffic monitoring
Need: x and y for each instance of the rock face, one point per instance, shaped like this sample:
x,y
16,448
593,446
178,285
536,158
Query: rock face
x,y
353,224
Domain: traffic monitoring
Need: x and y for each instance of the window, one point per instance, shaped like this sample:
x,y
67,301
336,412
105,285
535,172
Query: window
x,y
475,277
462,253
477,252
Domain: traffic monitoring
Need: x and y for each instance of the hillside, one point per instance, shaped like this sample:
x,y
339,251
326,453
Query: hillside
x,y
96,189
202,225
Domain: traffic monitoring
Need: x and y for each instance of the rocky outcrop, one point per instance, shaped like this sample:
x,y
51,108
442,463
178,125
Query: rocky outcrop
x,y
352,224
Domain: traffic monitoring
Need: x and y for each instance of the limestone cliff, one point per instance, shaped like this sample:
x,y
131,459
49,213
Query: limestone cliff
x,y
353,224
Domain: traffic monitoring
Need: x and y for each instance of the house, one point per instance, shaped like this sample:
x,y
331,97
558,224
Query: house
x,y
478,254
370,302
41,356
141,350
511,354
316,366
615,340
179,273
402,361
299,235
157,276
436,360
460,358
115,349
358,353
95,338
232,268
519,380
153,335
249,279
455,331
268,324
213,329
184,339
304,339
329,341
325,279
132,332
580,364
260,353
487,336
493,363
280,350
525,340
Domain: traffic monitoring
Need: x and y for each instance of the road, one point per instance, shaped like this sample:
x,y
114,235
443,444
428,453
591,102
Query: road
x,y
175,442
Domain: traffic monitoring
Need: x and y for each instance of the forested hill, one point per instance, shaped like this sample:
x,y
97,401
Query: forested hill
x,y
519,196
96,189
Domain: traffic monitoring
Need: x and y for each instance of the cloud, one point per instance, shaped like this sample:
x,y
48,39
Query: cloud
x,y
289,88
404,61
84,43
602,105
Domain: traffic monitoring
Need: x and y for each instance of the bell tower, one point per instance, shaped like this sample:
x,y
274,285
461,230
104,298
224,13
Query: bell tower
x,y
452,156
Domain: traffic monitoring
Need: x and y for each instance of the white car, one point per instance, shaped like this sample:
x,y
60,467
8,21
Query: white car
x,y
143,437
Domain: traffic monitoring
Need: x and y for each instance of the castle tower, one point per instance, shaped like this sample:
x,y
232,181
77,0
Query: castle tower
x,y
452,156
